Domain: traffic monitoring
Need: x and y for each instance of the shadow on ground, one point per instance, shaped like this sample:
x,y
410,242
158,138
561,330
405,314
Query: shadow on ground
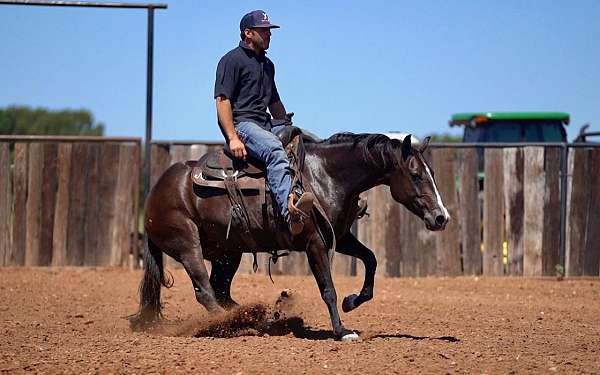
x,y
259,320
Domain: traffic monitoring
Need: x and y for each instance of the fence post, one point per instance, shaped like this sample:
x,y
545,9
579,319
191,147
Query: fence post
x,y
564,152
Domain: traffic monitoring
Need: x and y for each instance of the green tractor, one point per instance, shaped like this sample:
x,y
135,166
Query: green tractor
x,y
517,127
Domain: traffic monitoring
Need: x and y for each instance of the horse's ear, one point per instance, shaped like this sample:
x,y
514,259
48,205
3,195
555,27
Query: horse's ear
x,y
406,147
424,144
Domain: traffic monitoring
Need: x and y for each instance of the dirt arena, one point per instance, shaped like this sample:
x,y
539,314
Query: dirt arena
x,y
73,321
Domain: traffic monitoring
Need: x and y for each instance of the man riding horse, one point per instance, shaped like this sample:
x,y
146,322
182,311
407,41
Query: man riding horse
x,y
190,209
244,90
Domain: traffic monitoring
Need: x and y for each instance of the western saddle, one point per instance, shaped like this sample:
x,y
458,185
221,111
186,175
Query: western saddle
x,y
215,168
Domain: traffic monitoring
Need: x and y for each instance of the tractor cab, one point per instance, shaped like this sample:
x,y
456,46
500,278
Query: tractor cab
x,y
526,127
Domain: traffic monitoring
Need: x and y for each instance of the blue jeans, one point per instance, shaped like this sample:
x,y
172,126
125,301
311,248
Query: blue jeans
x,y
265,146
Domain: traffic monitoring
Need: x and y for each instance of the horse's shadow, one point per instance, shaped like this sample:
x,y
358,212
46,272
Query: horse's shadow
x,y
407,336
294,326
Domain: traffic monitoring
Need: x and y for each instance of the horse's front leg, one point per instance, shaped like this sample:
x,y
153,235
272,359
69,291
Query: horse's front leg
x,y
319,264
350,245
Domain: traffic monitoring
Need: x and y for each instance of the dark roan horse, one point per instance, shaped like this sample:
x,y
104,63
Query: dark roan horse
x,y
191,225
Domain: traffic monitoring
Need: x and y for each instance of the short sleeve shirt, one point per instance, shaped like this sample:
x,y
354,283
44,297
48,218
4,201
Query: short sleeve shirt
x,y
248,81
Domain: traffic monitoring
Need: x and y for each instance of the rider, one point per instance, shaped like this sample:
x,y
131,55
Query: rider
x,y
244,89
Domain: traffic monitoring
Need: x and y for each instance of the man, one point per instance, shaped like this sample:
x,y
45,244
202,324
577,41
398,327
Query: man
x,y
244,90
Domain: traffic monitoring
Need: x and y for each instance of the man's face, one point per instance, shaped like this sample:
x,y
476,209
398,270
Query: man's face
x,y
260,37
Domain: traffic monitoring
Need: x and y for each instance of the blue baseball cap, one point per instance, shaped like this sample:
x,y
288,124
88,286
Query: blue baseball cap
x,y
256,18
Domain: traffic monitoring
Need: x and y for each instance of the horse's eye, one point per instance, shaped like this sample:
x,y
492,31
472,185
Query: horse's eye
x,y
416,176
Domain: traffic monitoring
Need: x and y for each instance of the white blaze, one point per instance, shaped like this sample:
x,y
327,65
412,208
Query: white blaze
x,y
437,195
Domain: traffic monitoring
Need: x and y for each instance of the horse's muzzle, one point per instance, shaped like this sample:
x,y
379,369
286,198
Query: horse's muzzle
x,y
435,220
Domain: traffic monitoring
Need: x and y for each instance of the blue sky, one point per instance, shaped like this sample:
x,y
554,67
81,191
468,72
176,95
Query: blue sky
x,y
355,66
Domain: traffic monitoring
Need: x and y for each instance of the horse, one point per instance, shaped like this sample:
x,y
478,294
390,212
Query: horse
x,y
192,225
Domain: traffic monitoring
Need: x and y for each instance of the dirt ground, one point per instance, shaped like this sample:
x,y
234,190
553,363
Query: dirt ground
x,y
73,321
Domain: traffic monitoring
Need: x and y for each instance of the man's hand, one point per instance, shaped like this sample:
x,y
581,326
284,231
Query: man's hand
x,y
225,115
237,148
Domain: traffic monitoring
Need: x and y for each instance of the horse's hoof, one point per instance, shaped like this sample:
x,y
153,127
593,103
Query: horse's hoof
x,y
348,303
352,336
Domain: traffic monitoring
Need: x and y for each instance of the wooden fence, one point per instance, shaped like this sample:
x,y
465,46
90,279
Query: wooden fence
x,y
73,202
69,201
511,227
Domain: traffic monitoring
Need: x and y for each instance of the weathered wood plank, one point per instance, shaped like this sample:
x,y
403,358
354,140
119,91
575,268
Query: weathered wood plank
x,y
92,199
342,264
408,243
136,222
161,160
245,264
470,211
372,231
513,208
447,241
34,204
417,245
108,159
122,237
377,203
5,204
393,251
551,207
75,254
570,159
61,212
592,245
49,185
533,208
196,151
17,256
579,203
493,213
180,153
296,264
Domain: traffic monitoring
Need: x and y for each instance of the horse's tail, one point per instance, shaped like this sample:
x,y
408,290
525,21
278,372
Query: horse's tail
x,y
154,277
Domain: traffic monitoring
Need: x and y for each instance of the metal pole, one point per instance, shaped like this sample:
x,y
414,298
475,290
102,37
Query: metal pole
x,y
149,69
564,154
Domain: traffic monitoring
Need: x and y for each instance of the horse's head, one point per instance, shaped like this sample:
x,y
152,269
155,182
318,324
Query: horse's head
x,y
412,183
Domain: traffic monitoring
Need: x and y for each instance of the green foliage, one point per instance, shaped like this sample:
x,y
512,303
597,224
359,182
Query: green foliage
x,y
22,120
445,138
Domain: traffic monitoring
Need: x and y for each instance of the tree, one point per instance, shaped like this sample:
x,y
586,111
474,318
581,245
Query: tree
x,y
22,120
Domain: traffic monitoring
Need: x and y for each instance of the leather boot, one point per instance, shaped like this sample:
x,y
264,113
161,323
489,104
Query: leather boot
x,y
299,211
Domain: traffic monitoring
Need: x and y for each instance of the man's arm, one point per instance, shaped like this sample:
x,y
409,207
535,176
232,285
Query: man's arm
x,y
225,114
277,110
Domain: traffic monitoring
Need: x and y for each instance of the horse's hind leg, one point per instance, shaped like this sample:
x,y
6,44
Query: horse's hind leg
x,y
181,241
194,265
221,275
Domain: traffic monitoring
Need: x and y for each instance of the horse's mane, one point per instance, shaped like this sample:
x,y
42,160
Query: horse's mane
x,y
377,149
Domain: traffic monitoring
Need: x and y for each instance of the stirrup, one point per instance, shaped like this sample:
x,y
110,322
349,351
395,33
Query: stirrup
x,y
303,205
299,211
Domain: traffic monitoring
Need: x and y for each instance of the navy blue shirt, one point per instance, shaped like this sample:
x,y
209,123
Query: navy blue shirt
x,y
248,81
